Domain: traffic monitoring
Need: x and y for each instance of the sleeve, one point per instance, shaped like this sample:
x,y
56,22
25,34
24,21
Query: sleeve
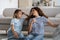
x,y
44,19
12,22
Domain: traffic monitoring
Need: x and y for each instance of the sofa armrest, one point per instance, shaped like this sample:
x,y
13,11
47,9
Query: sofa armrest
x,y
55,20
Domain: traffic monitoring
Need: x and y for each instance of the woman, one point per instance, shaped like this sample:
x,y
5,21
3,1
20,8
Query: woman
x,y
37,20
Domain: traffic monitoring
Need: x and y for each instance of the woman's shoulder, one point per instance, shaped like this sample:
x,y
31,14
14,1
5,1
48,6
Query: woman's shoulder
x,y
40,17
43,17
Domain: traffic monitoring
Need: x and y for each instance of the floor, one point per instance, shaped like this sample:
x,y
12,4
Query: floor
x,y
3,36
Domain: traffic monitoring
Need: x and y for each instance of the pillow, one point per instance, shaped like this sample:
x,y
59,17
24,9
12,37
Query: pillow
x,y
58,16
8,12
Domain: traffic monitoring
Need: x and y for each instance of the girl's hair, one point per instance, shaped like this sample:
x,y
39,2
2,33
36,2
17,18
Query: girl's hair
x,y
16,12
40,12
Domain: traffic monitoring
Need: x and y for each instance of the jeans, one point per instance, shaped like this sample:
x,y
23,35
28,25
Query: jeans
x,y
11,37
34,37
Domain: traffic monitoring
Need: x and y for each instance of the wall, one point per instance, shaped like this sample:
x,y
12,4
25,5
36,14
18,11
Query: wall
x,y
25,3
7,4
57,2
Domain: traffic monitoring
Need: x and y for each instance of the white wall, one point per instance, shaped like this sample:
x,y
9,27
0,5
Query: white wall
x,y
8,4
57,2
36,0
25,3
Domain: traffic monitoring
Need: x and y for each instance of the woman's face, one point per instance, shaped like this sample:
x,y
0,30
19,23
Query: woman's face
x,y
19,15
34,12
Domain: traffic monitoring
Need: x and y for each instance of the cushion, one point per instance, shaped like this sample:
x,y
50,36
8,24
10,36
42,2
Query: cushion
x,y
58,16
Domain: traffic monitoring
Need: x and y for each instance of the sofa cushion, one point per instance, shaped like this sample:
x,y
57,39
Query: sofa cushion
x,y
8,12
50,12
58,16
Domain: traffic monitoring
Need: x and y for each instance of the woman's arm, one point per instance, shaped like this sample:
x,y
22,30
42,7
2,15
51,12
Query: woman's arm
x,y
30,25
52,24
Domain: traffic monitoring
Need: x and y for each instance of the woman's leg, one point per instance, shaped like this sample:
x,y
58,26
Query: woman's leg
x,y
29,37
21,36
39,37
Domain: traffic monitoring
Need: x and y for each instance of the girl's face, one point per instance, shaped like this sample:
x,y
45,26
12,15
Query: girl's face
x,y
34,12
19,14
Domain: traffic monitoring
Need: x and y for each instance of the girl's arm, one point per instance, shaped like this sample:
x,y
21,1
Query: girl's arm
x,y
15,34
12,28
51,24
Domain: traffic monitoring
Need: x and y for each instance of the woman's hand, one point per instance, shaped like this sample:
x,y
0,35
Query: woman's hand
x,y
33,20
55,25
15,35
30,25
52,24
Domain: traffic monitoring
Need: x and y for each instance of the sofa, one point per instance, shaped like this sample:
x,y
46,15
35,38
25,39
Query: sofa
x,y
52,13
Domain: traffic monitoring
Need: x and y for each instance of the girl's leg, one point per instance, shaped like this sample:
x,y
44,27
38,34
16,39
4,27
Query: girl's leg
x,y
10,35
39,37
12,39
29,37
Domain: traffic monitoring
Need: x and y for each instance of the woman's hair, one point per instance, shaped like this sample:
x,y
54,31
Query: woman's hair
x,y
16,12
40,13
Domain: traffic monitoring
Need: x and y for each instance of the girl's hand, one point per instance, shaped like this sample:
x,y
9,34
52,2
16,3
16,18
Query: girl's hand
x,y
15,35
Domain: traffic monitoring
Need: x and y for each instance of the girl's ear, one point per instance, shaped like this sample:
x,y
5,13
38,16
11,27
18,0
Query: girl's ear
x,y
15,15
